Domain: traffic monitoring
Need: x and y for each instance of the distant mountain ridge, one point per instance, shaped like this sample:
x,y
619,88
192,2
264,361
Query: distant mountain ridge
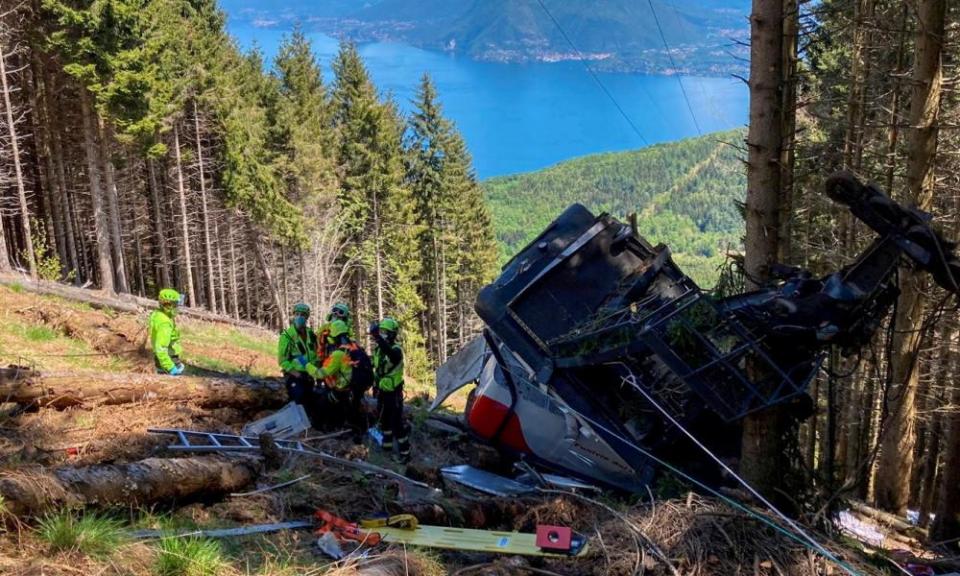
x,y
617,35
685,193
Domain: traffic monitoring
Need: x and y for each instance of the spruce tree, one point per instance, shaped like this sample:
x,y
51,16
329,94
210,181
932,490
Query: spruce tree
x,y
376,207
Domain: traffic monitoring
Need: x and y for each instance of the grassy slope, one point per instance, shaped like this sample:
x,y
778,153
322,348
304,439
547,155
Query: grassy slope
x,y
207,346
685,194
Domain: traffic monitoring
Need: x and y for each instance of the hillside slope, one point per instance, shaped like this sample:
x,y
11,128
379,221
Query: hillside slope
x,y
686,195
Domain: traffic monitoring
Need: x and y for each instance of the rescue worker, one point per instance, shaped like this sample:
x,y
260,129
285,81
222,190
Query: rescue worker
x,y
296,352
388,385
341,311
164,334
335,372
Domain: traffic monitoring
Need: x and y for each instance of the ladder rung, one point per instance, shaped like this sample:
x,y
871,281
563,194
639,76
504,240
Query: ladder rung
x,y
183,438
213,438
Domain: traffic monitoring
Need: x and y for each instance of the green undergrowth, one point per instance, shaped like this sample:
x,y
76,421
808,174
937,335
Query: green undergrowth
x,y
189,557
22,342
220,335
91,534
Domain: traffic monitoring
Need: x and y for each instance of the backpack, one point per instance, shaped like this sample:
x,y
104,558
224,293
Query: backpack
x,y
361,378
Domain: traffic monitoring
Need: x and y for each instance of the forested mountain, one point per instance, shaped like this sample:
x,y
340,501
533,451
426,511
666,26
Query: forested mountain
x,y
686,195
141,149
614,34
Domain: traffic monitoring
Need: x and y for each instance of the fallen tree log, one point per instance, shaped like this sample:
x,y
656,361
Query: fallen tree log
x,y
28,387
149,481
887,519
120,302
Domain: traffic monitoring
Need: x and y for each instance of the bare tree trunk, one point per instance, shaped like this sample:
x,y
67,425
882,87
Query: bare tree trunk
x,y
234,297
930,469
762,461
113,209
18,175
894,134
185,229
246,287
283,277
896,457
220,276
265,268
208,245
73,261
946,525
158,227
48,180
442,281
856,419
101,226
791,24
855,113
378,256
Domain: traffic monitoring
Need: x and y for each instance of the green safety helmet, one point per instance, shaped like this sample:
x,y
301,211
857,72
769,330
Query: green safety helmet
x,y
389,325
301,308
169,296
340,310
336,329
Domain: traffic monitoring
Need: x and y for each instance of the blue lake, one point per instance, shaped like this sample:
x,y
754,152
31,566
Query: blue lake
x,y
521,117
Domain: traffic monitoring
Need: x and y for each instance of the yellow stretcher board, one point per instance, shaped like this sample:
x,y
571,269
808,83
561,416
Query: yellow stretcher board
x,y
472,540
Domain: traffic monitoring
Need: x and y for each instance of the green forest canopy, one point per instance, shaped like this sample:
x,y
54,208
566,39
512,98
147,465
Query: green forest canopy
x,y
686,195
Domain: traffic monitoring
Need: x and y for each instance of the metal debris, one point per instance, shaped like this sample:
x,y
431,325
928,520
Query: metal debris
x,y
486,482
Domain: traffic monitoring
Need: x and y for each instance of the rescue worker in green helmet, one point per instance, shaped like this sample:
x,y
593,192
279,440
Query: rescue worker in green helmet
x,y
341,311
334,376
388,383
296,354
164,335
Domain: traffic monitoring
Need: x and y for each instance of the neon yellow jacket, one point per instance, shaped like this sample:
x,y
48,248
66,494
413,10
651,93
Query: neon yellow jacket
x,y
388,366
165,338
292,347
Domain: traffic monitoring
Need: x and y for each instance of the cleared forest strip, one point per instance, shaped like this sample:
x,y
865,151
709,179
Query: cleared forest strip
x,y
651,208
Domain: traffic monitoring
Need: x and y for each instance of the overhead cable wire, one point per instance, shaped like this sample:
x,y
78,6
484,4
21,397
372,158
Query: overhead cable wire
x,y
673,64
593,74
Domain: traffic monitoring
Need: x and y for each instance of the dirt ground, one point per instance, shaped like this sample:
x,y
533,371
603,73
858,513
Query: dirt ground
x,y
690,535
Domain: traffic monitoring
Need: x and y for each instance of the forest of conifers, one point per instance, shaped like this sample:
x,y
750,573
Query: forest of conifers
x,y
141,148
867,86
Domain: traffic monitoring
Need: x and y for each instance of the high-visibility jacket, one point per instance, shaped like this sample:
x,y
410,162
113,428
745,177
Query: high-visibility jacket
x,y
388,366
165,338
337,369
294,351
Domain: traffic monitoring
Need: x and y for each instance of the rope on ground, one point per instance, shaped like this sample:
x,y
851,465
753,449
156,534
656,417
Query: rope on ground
x,y
274,487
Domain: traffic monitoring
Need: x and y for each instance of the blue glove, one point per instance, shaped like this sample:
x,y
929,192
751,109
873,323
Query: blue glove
x,y
176,370
302,360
